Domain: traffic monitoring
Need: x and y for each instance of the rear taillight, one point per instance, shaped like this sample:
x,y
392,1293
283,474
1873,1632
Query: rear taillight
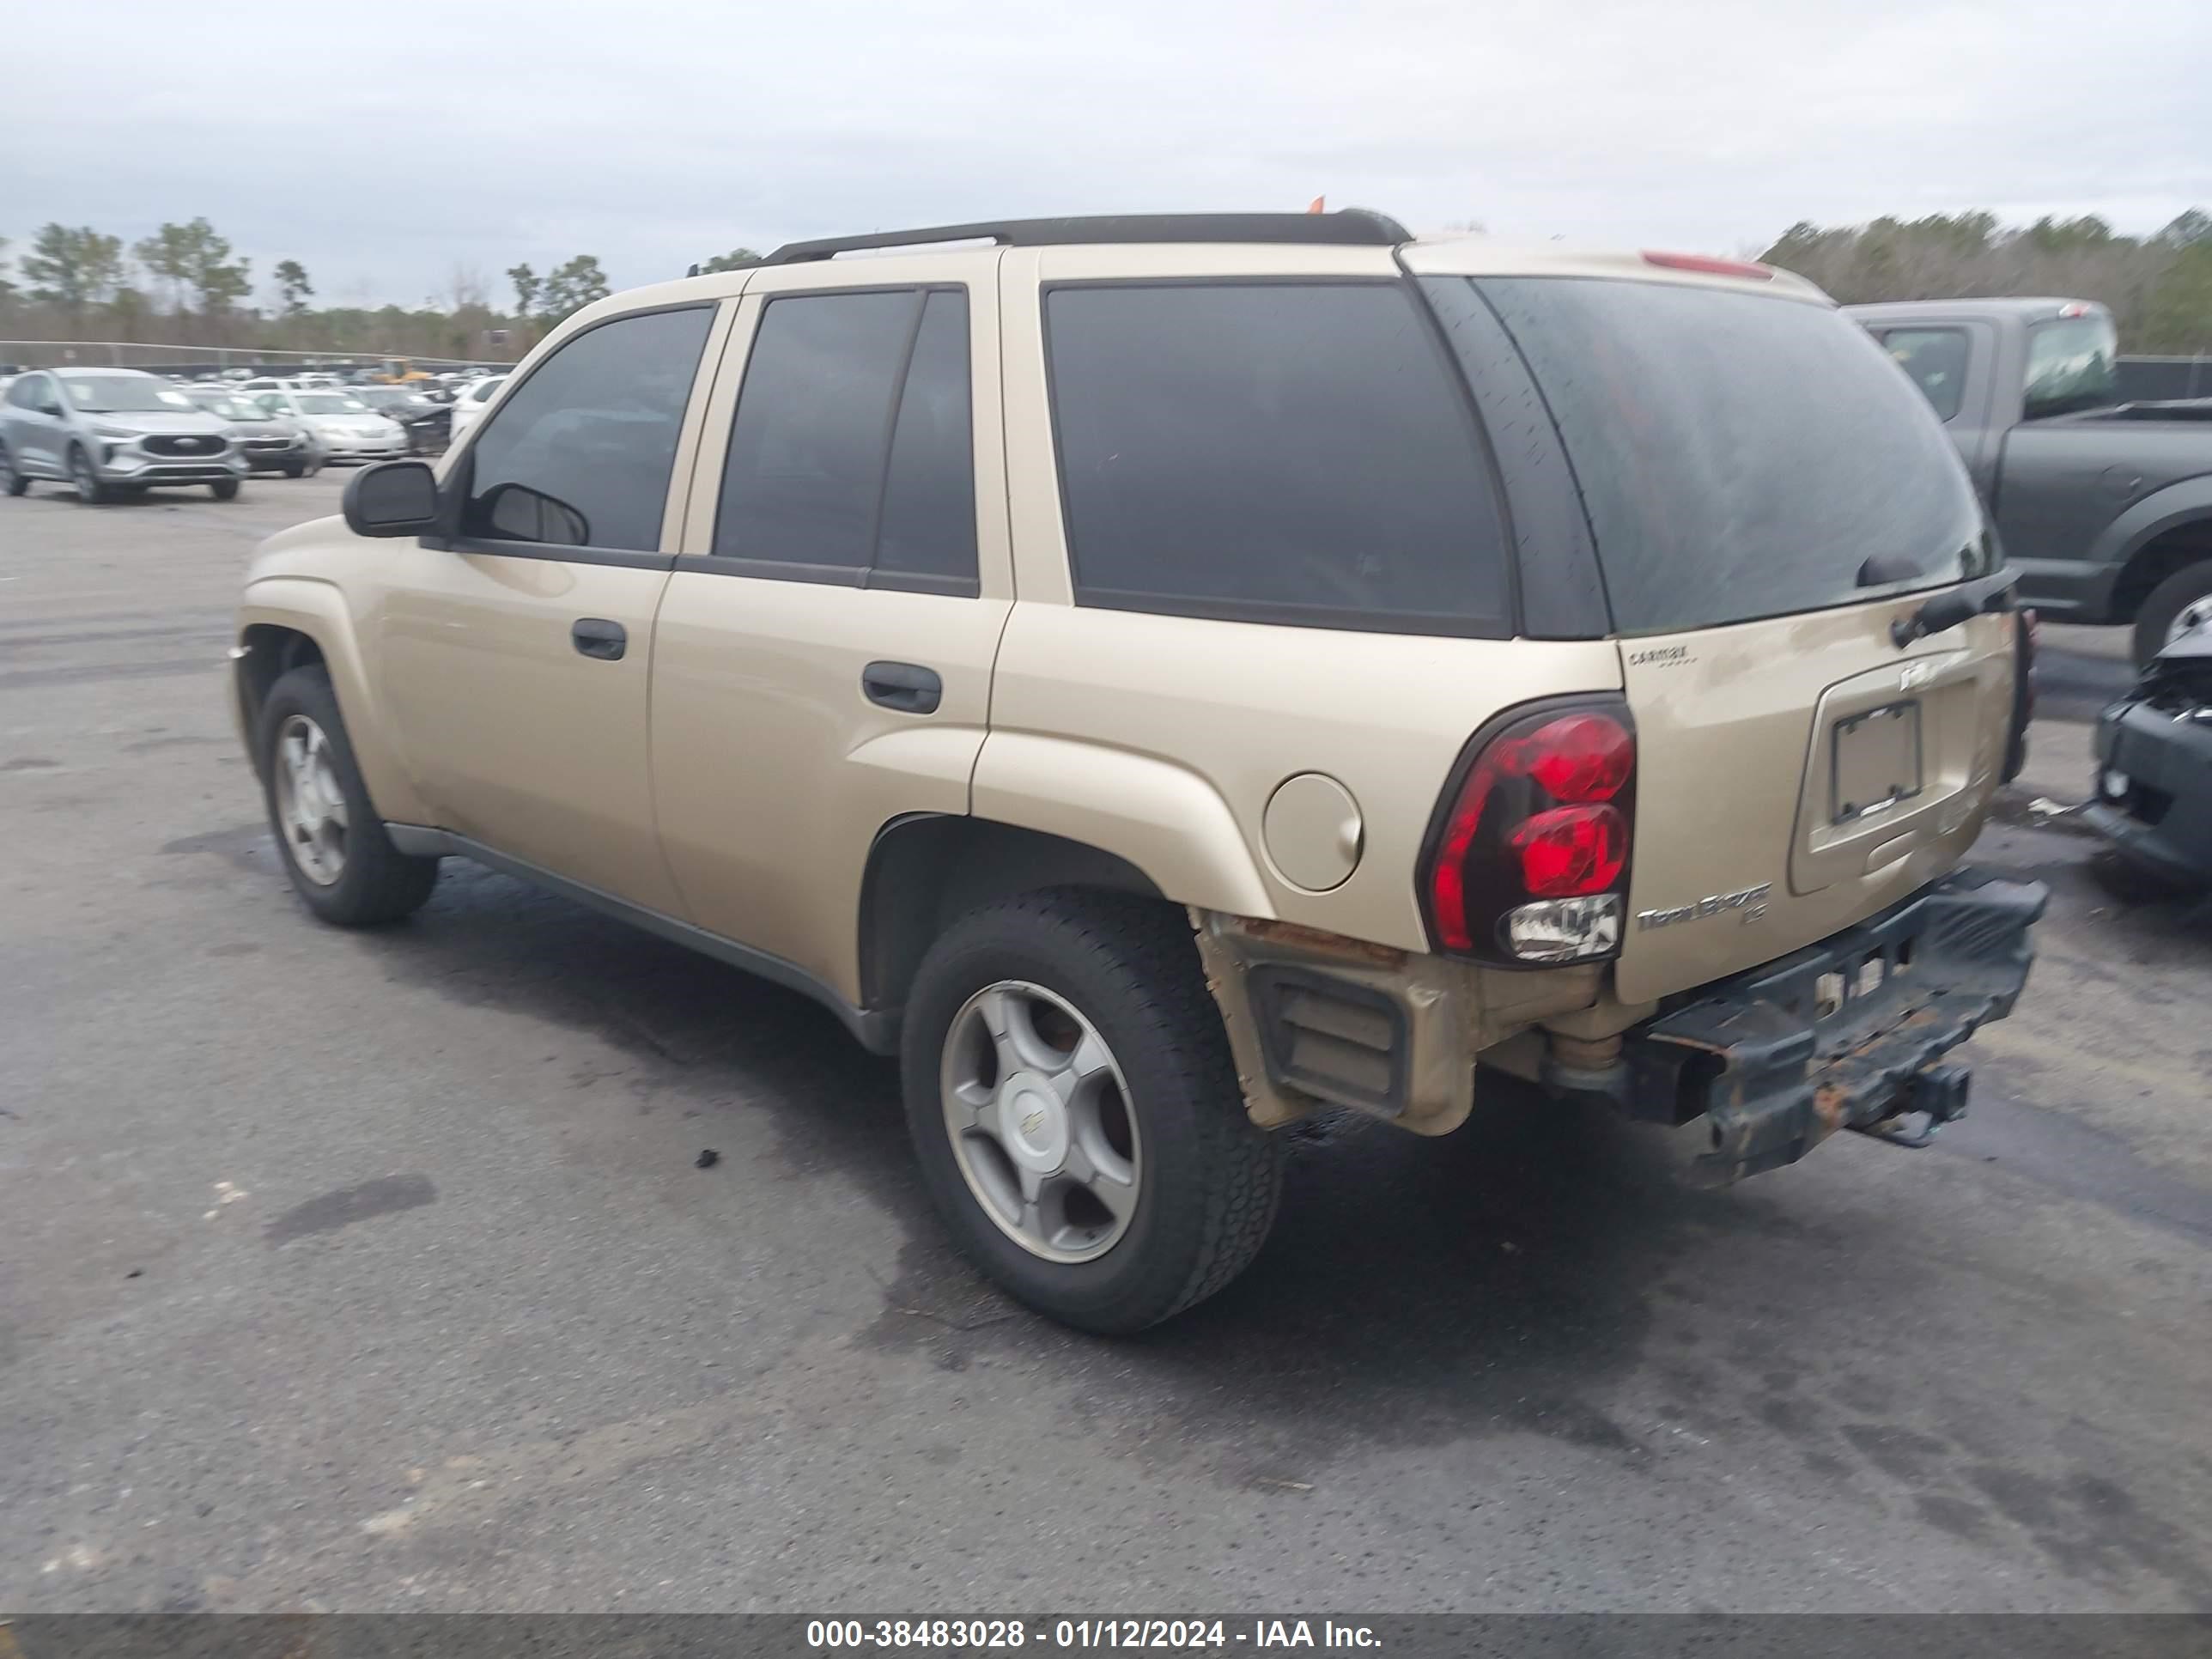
x,y
1528,861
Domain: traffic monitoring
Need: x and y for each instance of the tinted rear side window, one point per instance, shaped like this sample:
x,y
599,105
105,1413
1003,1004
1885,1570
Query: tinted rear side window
x,y
806,451
1271,452
1740,456
581,455
929,496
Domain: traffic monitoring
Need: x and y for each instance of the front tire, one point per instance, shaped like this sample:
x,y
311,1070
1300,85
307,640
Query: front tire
x,y
224,489
2186,591
334,848
1076,1113
90,492
295,469
10,480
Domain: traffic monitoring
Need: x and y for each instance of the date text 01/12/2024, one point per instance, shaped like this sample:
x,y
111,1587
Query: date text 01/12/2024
x,y
828,1634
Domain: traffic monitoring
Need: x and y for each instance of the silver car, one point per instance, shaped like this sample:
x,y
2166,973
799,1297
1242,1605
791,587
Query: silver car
x,y
111,432
347,428
270,442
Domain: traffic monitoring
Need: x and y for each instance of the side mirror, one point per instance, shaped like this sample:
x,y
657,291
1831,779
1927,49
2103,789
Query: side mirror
x,y
52,409
392,498
517,513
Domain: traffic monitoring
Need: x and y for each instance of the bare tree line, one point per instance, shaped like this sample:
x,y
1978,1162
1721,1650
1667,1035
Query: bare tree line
x,y
185,285
2158,287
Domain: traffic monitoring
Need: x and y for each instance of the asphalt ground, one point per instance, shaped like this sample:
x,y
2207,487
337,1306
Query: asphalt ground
x,y
376,1271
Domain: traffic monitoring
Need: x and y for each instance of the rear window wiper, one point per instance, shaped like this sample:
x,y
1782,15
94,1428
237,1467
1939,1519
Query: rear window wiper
x,y
1954,605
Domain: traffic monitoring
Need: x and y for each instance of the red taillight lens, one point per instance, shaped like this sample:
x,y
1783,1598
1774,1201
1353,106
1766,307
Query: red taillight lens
x,y
1582,757
1543,810
1571,851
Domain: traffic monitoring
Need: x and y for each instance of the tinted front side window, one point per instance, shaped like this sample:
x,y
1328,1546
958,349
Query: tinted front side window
x,y
1277,451
1935,360
1740,455
581,455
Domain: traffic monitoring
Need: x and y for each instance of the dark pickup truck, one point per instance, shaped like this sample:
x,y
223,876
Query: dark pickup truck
x,y
2104,507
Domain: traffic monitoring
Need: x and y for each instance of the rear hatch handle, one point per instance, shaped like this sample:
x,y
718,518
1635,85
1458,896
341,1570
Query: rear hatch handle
x,y
1954,605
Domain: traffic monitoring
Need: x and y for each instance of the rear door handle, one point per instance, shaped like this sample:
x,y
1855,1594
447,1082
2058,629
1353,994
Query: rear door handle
x,y
907,687
595,636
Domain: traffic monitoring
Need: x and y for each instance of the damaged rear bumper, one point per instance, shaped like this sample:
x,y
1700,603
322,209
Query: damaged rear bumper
x,y
1845,1034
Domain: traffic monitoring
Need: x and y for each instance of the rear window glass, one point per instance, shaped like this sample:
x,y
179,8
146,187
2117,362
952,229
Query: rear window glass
x,y
2072,364
1935,360
1277,452
1740,456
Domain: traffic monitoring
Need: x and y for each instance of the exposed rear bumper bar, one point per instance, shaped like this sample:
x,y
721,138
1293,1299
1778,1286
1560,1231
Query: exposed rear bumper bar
x,y
1844,1033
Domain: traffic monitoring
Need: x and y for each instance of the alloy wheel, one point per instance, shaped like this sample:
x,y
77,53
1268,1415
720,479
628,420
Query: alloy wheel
x,y
310,805
2195,614
1039,1119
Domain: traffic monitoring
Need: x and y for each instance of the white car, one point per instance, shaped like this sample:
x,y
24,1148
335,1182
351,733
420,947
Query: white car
x,y
474,399
346,429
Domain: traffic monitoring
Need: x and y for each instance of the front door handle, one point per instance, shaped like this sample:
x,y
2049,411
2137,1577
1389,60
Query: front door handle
x,y
595,636
907,687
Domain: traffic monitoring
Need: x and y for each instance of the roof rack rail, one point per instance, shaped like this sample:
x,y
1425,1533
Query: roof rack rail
x,y
1347,227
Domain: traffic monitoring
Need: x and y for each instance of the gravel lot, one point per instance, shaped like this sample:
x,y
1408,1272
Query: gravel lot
x,y
374,1271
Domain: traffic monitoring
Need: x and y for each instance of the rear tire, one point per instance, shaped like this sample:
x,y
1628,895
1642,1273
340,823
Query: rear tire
x,y
334,848
2164,604
90,492
224,489
1206,1183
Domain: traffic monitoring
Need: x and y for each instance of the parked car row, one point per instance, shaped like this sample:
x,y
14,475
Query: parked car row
x,y
271,440
108,432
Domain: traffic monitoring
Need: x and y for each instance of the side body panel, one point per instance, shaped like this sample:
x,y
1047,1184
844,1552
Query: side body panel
x,y
1164,738
518,739
2081,495
773,770
280,594
35,440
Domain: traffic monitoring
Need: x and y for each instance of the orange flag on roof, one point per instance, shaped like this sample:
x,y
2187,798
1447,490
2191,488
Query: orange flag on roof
x,y
1315,206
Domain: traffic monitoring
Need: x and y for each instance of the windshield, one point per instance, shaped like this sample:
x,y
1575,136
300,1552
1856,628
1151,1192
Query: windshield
x,y
121,394
1739,455
232,409
2071,365
330,403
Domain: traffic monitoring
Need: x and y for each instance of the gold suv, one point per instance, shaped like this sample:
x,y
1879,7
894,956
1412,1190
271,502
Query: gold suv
x,y
1165,676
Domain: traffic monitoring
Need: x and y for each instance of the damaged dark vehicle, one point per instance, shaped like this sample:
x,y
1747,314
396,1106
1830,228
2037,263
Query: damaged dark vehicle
x,y
2154,784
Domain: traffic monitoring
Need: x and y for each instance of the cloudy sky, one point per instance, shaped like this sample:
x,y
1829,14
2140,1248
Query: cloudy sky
x,y
390,145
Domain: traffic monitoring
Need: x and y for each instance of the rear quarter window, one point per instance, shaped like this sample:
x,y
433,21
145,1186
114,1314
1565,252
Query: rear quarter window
x,y
1271,452
1740,455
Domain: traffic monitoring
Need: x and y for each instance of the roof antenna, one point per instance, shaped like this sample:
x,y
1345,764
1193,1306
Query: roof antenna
x,y
694,272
